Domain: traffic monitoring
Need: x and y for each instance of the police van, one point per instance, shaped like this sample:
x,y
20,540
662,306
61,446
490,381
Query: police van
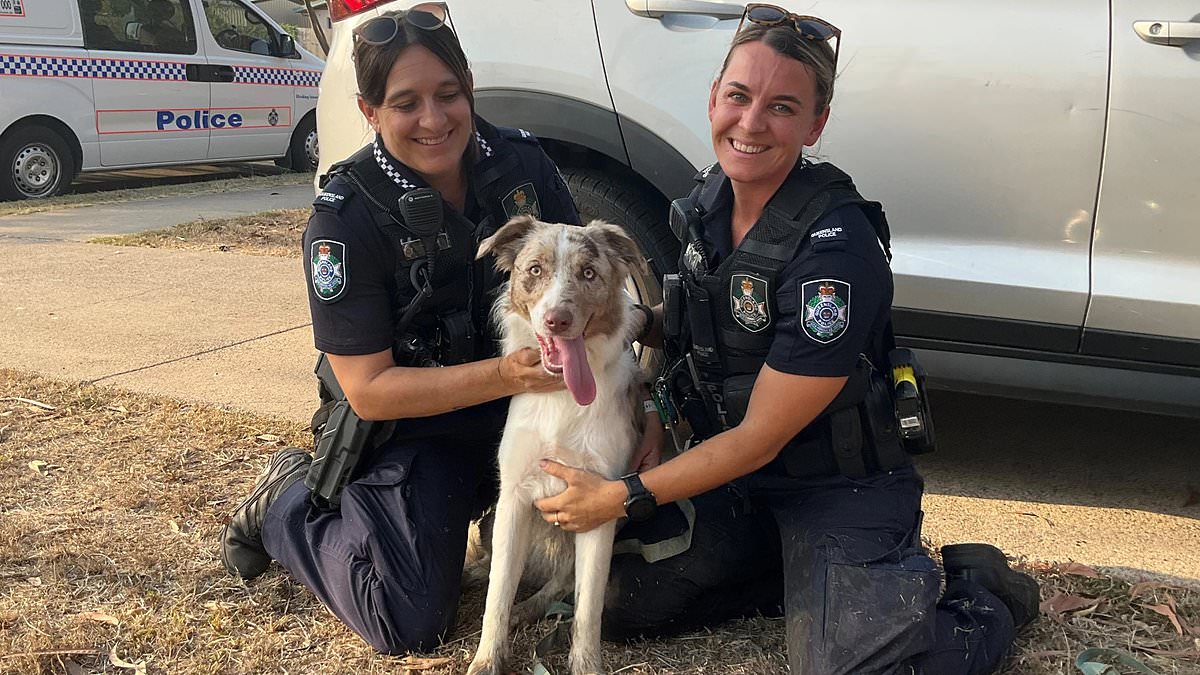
x,y
88,85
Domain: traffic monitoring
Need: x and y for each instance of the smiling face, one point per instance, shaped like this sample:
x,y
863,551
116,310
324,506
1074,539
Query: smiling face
x,y
762,112
425,116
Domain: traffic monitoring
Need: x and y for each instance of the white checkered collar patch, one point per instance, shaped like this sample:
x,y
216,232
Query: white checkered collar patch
x,y
403,179
485,148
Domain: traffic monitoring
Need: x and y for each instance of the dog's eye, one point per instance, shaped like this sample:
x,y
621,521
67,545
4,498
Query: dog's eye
x,y
589,273
535,270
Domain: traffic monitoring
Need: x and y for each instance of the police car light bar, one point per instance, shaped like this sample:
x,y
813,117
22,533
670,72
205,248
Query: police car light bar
x,y
344,9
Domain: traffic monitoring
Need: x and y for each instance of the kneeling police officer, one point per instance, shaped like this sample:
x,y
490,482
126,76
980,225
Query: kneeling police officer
x,y
780,359
414,397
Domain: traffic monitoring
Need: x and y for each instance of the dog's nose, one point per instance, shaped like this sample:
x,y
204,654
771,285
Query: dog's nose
x,y
557,320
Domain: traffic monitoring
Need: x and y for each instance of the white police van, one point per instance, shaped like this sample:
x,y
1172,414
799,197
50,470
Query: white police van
x,y
89,85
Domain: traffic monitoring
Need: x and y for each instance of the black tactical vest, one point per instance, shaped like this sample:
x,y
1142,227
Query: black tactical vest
x,y
726,318
450,326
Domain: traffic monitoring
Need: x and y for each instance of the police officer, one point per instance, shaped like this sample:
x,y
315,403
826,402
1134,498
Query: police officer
x,y
780,322
400,309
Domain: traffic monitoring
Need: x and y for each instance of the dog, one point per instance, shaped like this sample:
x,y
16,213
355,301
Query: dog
x,y
565,296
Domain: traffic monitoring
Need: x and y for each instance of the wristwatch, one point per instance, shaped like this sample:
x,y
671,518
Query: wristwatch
x,y
641,504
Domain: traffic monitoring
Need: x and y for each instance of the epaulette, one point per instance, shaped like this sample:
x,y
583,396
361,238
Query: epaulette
x,y
833,237
702,175
334,196
513,134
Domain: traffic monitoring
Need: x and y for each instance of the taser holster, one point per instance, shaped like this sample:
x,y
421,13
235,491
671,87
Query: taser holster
x,y
340,442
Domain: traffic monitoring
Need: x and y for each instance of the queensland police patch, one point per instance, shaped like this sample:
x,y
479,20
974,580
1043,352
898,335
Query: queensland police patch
x,y
748,295
328,269
826,309
522,201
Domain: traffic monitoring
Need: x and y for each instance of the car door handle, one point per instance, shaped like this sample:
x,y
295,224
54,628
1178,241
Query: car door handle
x,y
655,9
197,72
1172,33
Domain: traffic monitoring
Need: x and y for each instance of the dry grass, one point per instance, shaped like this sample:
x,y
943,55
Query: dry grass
x,y
72,201
274,233
110,503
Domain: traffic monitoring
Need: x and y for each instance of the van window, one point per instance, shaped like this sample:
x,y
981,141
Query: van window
x,y
162,26
235,26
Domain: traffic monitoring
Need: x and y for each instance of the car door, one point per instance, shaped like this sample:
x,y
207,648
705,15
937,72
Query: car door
x,y
252,84
978,125
149,80
1145,301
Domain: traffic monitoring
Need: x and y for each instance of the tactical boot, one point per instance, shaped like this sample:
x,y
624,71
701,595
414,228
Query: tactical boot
x,y
241,538
986,565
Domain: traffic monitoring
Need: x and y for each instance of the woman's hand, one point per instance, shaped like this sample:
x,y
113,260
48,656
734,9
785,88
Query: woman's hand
x,y
522,373
588,502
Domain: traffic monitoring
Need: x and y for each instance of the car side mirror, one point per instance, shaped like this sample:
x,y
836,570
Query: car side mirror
x,y
132,30
285,46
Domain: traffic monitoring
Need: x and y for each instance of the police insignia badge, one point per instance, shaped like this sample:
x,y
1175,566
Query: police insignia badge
x,y
328,269
826,309
522,201
748,295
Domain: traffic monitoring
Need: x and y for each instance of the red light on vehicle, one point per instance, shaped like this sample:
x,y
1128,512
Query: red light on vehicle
x,y
343,9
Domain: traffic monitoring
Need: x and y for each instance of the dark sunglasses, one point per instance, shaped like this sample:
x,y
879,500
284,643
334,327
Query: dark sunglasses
x,y
809,27
383,29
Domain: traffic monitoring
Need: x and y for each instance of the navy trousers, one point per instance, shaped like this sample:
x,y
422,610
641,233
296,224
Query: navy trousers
x,y
389,563
841,558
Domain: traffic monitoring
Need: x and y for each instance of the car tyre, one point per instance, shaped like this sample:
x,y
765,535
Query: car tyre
x,y
622,202
35,163
303,154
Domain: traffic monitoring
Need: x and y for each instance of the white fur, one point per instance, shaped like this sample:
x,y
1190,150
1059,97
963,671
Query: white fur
x,y
599,437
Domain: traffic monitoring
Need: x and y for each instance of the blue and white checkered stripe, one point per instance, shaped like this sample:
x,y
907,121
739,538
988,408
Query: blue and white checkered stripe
x,y
130,69
122,69
390,170
44,66
285,76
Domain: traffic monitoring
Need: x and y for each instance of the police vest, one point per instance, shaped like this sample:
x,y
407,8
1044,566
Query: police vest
x,y
728,336
450,326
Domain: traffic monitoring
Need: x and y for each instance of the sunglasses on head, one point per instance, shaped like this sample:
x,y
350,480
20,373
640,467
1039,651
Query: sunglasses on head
x,y
809,27
383,29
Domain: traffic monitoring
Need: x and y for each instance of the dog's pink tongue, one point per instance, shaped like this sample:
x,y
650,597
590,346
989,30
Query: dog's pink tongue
x,y
576,371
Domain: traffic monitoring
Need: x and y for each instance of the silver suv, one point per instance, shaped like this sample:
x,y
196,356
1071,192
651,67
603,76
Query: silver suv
x,y
1037,161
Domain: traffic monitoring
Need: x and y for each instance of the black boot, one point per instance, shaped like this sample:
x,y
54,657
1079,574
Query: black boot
x,y
986,565
241,538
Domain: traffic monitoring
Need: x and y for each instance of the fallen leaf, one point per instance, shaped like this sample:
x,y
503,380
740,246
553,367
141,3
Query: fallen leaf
x,y
98,616
1143,586
40,466
138,668
411,662
1078,569
1169,612
268,438
29,401
117,408
34,581
1062,603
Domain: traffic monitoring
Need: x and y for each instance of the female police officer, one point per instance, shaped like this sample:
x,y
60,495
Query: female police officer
x,y
394,288
806,497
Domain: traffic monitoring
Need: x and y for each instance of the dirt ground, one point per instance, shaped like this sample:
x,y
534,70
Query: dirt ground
x,y
110,503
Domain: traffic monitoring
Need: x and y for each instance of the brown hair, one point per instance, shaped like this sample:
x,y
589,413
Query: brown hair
x,y
373,63
817,55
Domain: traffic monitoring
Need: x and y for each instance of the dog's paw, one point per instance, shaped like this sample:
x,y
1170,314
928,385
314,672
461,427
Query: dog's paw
x,y
484,667
586,663
529,611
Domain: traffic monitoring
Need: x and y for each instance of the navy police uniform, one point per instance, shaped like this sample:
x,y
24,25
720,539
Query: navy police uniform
x,y
388,563
829,531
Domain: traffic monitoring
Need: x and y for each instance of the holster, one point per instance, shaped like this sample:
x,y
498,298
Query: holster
x,y
341,439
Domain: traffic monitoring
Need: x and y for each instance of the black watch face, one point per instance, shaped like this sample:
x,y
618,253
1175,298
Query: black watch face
x,y
640,508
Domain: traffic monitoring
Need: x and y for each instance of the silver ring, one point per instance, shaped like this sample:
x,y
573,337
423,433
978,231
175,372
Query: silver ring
x,y
556,523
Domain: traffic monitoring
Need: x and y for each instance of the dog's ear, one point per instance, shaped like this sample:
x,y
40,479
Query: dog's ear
x,y
616,244
507,241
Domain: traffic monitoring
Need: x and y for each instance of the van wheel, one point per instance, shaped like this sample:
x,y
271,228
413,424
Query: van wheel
x,y
644,217
303,154
35,163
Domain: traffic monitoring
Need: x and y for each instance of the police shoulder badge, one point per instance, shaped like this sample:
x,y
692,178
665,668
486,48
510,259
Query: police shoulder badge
x,y
826,309
748,295
328,269
522,201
